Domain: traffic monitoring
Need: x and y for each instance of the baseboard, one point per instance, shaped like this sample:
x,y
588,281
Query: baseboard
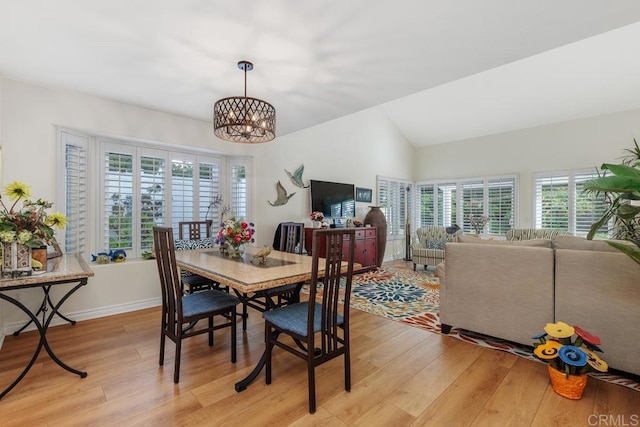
x,y
85,315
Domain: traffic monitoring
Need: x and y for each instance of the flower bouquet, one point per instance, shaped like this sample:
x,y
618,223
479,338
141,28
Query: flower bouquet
x,y
24,229
317,216
569,359
233,235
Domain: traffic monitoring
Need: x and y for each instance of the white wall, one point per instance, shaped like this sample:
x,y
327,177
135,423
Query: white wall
x,y
351,150
577,144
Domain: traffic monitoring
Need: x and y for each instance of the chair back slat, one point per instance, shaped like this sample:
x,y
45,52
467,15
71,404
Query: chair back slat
x,y
194,229
169,277
291,235
339,247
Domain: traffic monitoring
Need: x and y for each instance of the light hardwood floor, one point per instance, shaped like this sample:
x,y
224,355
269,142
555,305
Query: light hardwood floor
x,y
401,375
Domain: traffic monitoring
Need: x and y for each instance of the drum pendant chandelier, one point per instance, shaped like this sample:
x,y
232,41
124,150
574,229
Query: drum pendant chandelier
x,y
244,119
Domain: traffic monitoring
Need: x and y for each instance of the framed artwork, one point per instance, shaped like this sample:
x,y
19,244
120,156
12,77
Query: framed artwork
x,y
363,195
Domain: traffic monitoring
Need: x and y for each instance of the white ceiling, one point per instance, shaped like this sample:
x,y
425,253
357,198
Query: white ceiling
x,y
442,70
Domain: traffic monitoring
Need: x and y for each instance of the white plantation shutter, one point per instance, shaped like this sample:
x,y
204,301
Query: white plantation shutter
x,y
393,198
152,196
588,207
426,205
501,204
562,204
118,192
209,188
449,202
552,201
182,187
239,202
472,202
75,192
140,184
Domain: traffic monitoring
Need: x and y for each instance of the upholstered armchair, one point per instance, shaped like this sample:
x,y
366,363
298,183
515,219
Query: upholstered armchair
x,y
429,248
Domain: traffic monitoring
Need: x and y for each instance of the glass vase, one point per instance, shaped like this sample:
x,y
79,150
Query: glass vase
x,y
235,251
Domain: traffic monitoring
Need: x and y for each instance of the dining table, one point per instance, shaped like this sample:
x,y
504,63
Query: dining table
x,y
247,275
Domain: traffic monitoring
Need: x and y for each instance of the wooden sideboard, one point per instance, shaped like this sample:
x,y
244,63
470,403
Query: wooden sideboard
x,y
366,250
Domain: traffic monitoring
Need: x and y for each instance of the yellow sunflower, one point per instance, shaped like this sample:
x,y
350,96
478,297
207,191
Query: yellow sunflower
x,y
56,219
17,189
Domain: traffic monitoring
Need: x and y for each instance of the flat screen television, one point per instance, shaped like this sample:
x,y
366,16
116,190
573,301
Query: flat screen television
x,y
333,199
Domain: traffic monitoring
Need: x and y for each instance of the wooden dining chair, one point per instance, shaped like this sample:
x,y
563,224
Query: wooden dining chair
x,y
319,328
291,237
194,230
194,233
181,312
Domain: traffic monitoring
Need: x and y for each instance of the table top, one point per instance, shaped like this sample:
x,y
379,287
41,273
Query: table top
x,y
65,268
247,274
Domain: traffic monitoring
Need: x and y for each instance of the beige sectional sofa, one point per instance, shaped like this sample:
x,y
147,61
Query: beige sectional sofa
x,y
510,290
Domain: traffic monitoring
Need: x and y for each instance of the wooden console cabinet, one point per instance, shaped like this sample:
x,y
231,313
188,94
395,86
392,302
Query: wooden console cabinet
x,y
366,250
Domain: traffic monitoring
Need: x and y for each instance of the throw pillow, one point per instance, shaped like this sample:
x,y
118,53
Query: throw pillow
x,y
187,244
436,244
539,243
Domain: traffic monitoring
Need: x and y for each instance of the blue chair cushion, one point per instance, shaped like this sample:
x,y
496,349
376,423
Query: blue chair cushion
x,y
201,303
281,289
293,318
196,280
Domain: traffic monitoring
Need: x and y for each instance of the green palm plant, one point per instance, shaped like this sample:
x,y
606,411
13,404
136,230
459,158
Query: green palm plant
x,y
620,184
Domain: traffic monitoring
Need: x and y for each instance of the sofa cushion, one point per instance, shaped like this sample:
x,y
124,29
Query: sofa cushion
x,y
536,243
582,244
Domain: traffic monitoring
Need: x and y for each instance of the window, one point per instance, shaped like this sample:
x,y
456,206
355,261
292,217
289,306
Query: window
x,y
450,202
141,185
561,203
74,159
395,203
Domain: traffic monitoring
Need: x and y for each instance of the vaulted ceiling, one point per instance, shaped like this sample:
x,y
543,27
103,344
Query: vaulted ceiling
x,y
442,70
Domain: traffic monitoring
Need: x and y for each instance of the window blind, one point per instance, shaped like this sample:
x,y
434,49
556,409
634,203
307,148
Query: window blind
x,y
75,192
562,204
239,191
152,199
118,200
472,202
501,204
395,203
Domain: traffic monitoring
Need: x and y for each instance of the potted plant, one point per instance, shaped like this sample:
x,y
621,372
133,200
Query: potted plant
x,y
24,227
620,184
317,217
570,354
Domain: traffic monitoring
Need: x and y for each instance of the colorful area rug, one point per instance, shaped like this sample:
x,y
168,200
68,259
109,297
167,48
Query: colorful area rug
x,y
413,298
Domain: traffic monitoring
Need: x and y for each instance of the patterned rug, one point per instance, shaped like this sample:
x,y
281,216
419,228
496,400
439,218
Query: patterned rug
x,y
413,298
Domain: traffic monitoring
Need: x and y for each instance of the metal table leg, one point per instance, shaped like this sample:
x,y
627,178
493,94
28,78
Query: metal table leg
x,y
46,302
42,329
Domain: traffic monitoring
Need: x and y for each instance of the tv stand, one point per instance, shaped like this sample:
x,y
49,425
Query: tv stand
x,y
365,252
